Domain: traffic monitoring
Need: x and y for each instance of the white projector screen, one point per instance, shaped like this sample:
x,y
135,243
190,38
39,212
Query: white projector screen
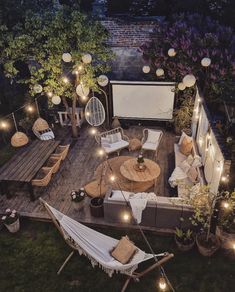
x,y
143,100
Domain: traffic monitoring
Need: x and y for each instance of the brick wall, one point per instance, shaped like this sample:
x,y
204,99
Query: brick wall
x,y
128,33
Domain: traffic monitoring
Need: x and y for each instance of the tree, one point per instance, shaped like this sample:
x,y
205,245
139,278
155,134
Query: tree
x,y
40,42
194,37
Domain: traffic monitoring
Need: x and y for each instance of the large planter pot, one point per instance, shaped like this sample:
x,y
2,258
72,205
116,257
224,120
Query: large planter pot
x,y
116,123
14,227
207,249
184,247
226,239
97,207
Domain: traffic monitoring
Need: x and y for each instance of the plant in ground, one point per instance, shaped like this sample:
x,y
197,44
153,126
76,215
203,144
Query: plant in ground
x,y
41,40
185,237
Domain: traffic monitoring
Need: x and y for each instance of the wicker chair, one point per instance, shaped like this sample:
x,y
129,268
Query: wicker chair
x,y
61,151
54,163
113,140
151,139
42,130
43,177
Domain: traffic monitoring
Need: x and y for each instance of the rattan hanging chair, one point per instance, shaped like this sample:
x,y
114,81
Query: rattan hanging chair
x,y
19,139
40,125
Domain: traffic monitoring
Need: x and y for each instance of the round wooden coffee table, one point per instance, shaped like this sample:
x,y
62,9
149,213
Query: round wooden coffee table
x,y
151,172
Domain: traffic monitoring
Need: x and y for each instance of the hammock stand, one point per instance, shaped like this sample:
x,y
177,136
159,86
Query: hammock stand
x,y
135,275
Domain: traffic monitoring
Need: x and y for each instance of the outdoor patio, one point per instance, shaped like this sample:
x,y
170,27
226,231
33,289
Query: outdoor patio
x,y
78,169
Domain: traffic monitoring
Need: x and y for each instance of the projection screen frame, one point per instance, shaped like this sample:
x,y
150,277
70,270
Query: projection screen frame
x,y
146,83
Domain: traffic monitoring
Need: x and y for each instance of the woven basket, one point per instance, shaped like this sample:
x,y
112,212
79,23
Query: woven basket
x,y
14,227
40,125
19,139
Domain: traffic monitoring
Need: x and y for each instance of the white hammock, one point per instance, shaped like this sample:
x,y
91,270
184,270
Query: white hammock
x,y
95,245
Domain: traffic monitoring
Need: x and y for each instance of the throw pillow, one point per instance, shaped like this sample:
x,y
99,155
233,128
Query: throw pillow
x,y
105,142
153,136
192,174
183,135
197,162
115,137
186,146
185,166
190,159
124,250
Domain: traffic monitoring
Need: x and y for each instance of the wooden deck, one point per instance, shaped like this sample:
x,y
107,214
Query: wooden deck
x,y
78,170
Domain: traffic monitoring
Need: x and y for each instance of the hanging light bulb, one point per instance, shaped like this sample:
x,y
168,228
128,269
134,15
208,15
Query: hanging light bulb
x,y
112,178
162,283
226,205
29,109
233,246
88,114
100,152
84,97
80,68
159,72
3,125
146,69
49,94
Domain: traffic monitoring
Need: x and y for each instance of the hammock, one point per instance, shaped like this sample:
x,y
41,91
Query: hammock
x,y
97,246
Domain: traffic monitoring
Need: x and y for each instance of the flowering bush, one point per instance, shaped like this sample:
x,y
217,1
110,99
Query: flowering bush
x,y
194,37
10,216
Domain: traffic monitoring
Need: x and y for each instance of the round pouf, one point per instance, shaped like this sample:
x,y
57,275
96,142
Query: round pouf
x,y
134,144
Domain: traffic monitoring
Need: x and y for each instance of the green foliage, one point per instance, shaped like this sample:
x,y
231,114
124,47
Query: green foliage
x,y
184,236
227,214
42,39
183,114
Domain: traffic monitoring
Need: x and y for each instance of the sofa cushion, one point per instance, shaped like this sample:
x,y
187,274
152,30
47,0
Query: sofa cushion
x,y
116,146
117,195
179,157
192,174
150,146
113,138
105,142
153,136
186,146
183,135
185,166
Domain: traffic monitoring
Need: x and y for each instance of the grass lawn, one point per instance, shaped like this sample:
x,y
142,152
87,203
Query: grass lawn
x,y
29,261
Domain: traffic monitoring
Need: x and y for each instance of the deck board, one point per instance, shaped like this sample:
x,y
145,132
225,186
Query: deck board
x,y
78,170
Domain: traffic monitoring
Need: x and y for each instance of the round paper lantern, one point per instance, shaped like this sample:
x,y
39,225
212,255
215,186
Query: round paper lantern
x,y
146,69
159,72
171,52
66,57
206,62
87,58
103,80
37,88
19,139
94,112
81,90
56,99
181,86
189,80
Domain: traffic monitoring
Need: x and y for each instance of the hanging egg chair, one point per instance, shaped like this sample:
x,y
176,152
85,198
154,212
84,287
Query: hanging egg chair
x,y
40,125
19,139
94,112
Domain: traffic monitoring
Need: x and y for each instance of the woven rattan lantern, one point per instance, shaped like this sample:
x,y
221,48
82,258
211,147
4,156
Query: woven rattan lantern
x,y
19,139
40,125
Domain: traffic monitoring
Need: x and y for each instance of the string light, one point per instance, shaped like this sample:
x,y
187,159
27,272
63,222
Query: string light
x,y
100,152
29,109
93,131
84,97
126,216
49,94
3,125
76,72
112,178
80,67
162,284
224,178
65,80
226,205
233,246
88,114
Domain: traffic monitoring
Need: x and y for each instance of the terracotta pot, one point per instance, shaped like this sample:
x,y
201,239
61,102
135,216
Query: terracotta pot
x,y
204,250
184,247
14,227
226,239
115,123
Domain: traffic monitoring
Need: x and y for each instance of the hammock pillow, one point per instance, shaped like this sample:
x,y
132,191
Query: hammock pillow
x,y
186,146
124,251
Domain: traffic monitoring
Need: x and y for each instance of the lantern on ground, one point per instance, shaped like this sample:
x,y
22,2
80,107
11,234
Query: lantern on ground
x,y
19,139
181,86
82,90
103,80
146,69
86,58
205,62
66,57
171,52
159,72
189,80
37,88
56,100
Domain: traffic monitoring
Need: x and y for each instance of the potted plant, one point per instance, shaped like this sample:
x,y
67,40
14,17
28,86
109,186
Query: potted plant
x,y
11,220
225,229
183,116
184,239
204,206
97,207
78,197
